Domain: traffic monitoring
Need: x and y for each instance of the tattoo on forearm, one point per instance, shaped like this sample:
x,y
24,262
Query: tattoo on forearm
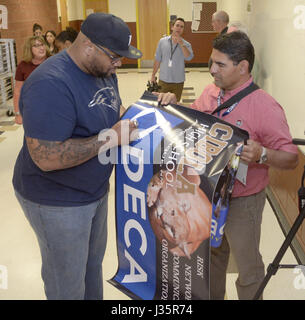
x,y
61,155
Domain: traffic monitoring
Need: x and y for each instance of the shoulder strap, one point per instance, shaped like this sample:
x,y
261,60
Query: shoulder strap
x,y
237,97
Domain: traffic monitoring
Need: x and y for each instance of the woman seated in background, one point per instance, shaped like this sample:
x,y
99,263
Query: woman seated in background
x,y
65,38
35,52
50,40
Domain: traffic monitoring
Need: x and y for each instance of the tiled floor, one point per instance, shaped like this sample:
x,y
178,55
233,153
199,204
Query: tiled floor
x,y
19,253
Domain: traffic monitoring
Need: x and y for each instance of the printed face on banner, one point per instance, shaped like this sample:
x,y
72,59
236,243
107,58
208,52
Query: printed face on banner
x,y
179,211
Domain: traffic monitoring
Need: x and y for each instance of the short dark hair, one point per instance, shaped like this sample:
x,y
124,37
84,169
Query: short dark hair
x,y
237,46
69,34
180,19
36,26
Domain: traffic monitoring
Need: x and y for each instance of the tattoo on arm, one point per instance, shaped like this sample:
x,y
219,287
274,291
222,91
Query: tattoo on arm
x,y
56,155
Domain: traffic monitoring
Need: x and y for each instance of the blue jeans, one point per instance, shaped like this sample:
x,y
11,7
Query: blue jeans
x,y
72,243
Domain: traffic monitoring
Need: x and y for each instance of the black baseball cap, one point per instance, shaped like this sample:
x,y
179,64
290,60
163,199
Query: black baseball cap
x,y
111,32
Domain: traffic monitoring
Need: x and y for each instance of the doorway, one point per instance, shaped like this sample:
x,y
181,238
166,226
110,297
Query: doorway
x,y
152,25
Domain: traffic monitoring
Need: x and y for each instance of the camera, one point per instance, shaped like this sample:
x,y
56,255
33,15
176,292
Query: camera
x,y
153,86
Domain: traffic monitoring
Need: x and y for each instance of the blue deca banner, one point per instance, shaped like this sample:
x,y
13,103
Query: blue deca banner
x,y
172,189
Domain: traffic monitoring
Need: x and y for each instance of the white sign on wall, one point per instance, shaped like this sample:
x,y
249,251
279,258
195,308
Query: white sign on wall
x,y
3,17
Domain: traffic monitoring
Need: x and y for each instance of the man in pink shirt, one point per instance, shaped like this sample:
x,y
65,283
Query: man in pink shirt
x,y
270,144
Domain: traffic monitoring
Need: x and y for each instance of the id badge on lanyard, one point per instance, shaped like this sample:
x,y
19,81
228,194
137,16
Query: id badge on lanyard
x,y
242,171
229,110
170,62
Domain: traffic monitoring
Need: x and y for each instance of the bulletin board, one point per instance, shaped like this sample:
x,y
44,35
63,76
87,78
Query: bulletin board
x,y
202,16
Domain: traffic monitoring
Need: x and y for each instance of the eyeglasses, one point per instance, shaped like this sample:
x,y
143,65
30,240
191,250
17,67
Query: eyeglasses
x,y
113,59
38,45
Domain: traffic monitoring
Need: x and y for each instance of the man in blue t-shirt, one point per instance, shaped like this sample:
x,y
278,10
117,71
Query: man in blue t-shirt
x,y
70,107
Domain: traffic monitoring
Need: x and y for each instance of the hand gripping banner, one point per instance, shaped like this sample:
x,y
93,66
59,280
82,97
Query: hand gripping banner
x,y
168,182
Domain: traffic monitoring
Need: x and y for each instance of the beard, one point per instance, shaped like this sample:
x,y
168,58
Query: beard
x,y
96,72
100,71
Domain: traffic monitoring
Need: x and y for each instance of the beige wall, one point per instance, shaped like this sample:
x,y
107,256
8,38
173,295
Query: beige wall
x,y
124,9
180,8
279,38
75,10
235,8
